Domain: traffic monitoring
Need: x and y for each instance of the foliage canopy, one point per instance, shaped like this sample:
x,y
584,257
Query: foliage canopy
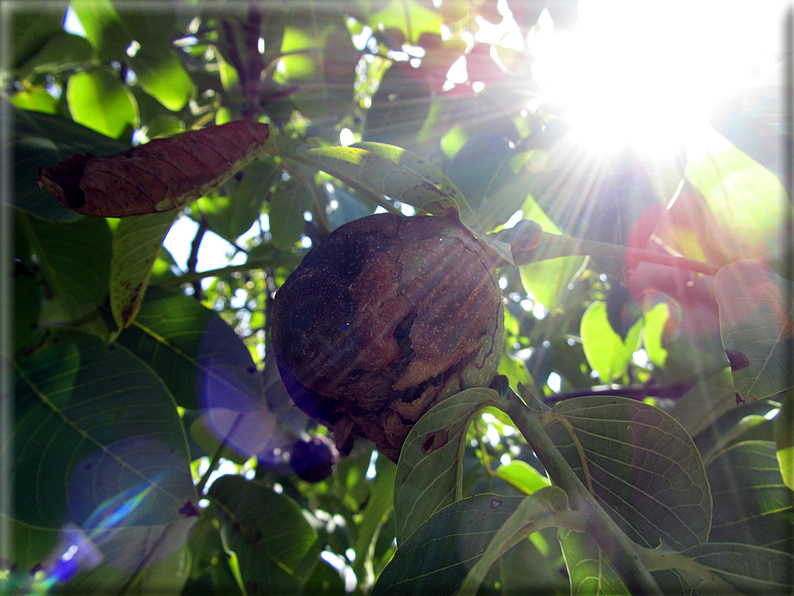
x,y
639,438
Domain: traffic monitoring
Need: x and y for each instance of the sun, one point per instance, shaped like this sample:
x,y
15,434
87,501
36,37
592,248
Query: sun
x,y
646,74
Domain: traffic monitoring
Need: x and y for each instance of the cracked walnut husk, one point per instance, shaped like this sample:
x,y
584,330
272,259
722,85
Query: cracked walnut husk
x,y
385,317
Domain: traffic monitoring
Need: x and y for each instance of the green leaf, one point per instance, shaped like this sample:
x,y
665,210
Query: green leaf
x,y
784,439
379,505
232,215
61,52
156,63
30,29
41,140
285,210
267,532
523,476
97,443
747,201
439,554
162,76
429,470
99,100
136,245
103,28
589,569
606,352
750,569
74,258
399,107
752,505
535,512
194,351
757,327
35,99
639,464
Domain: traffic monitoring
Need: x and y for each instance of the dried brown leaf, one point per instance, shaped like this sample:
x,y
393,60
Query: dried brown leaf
x,y
162,175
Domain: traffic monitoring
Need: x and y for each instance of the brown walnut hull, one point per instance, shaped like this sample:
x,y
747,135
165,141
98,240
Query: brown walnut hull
x,y
385,317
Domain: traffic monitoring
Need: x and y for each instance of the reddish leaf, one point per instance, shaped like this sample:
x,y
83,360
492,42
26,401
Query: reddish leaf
x,y
162,175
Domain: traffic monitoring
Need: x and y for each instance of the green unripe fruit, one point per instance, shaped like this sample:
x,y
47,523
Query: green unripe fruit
x,y
385,317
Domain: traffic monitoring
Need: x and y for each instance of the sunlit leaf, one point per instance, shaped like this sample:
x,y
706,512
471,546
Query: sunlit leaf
x,y
746,200
752,505
155,61
784,439
606,352
103,28
523,476
99,100
35,99
439,554
589,568
412,17
757,326
429,470
639,464
267,532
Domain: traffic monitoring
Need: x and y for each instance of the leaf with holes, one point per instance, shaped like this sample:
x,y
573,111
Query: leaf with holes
x,y
639,464
757,326
429,470
162,175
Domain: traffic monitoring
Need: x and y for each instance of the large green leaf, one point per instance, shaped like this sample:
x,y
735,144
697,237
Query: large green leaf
x,y
136,245
589,568
97,443
99,100
41,140
429,471
750,569
639,464
439,554
74,258
267,532
752,505
757,327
